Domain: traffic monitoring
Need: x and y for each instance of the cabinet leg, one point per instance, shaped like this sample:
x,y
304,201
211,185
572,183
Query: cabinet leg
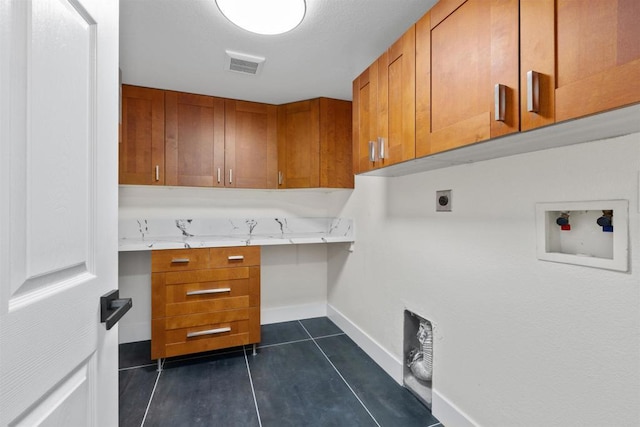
x,y
159,364
254,350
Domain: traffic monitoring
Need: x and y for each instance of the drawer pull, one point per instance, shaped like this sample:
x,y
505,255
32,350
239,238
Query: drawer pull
x,y
209,291
235,257
533,91
180,260
208,332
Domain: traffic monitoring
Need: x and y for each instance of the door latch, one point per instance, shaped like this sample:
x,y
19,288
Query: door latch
x,y
112,308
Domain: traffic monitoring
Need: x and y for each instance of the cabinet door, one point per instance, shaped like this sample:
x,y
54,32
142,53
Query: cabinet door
x,y
141,151
537,54
474,47
194,150
251,144
586,54
299,144
335,144
397,101
365,119
598,56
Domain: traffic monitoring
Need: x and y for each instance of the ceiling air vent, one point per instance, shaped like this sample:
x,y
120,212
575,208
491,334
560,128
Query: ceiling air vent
x,y
243,63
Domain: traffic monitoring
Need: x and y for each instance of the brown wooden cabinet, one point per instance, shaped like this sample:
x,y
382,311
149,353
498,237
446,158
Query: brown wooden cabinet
x,y
251,144
384,98
141,148
491,68
397,101
423,85
194,149
585,55
474,72
204,299
365,119
314,144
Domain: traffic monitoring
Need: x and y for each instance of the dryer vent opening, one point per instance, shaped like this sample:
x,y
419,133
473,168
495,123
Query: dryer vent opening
x,y
418,356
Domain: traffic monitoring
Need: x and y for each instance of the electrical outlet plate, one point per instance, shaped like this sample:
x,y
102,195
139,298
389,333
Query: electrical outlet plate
x,y
443,201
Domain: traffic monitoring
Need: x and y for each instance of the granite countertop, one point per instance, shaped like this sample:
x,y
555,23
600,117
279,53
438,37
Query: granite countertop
x,y
154,234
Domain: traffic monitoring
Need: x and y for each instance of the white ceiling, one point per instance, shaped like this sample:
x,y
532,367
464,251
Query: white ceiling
x,y
179,45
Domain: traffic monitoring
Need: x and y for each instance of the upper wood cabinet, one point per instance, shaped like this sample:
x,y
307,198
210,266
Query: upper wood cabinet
x,y
365,119
194,150
397,100
251,144
141,149
474,71
314,144
585,55
384,102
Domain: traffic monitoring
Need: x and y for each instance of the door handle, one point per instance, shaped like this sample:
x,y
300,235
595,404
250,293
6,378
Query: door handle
x,y
112,308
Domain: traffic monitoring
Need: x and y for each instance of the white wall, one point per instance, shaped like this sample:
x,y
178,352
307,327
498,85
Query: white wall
x,y
518,341
293,278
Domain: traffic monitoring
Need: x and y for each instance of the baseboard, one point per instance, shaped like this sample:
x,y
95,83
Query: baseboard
x,y
379,354
294,312
448,413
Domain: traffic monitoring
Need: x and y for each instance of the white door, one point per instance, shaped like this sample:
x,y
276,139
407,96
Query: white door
x,y
58,211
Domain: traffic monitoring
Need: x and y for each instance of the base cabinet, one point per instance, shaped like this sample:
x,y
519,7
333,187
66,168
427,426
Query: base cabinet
x,y
204,299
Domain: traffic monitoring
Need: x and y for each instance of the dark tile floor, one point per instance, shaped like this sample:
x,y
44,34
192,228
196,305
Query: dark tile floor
x,y
306,373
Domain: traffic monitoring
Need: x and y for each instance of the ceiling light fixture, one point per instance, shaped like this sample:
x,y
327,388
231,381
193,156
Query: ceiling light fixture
x,y
267,17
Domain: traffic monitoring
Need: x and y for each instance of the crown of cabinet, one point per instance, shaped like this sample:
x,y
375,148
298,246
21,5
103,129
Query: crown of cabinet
x,y
489,69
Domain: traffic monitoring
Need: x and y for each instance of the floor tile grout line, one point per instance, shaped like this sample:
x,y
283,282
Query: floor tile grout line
x,y
155,385
328,336
297,341
283,343
128,368
339,374
253,391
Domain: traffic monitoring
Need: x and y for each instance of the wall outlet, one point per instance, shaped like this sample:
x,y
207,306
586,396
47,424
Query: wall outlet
x,y
443,201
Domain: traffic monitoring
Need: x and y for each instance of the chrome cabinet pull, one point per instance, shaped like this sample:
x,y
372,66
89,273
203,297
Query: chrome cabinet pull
x,y
382,148
218,175
533,91
180,260
208,332
235,257
372,151
209,291
157,172
230,176
500,101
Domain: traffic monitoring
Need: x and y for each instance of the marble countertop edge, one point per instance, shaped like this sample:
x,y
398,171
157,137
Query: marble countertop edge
x,y
130,245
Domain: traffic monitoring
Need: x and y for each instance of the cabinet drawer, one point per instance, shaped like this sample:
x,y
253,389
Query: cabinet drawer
x,y
214,333
179,259
234,257
192,292
175,293
206,297
212,275
201,319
